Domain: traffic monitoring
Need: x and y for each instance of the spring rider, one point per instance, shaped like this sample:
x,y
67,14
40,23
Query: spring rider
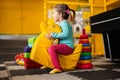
x,y
35,53
39,52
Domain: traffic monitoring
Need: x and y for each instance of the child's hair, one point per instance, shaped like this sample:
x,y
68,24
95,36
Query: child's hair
x,y
67,13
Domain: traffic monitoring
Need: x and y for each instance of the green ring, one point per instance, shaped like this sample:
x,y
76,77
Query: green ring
x,y
26,55
85,53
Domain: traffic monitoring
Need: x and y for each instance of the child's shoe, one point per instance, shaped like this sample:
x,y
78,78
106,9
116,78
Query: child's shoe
x,y
43,67
55,71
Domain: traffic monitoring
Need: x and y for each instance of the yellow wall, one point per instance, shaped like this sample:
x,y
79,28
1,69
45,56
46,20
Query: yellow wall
x,y
24,16
20,16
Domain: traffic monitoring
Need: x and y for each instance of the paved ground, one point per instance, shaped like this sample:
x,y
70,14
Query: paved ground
x,y
103,69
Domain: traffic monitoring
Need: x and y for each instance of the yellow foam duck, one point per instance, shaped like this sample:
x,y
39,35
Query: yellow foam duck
x,y
39,52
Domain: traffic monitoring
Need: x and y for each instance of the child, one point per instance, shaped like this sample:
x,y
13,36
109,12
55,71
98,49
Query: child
x,y
65,16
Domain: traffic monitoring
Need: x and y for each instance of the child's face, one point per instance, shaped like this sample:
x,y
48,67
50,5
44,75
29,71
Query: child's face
x,y
56,16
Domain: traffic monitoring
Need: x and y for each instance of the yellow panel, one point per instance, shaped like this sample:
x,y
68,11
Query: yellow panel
x,y
97,45
97,10
87,28
86,15
98,2
32,16
10,16
114,5
73,4
110,2
70,0
20,16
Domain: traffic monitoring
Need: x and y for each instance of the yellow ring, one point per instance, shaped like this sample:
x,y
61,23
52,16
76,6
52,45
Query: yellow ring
x,y
84,61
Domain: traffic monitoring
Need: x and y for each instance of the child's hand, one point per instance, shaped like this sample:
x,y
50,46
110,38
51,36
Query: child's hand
x,y
49,36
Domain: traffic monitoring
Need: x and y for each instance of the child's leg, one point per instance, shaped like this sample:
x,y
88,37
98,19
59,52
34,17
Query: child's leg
x,y
58,49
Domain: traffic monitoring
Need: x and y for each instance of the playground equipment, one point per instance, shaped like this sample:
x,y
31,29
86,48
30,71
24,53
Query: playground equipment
x,y
40,55
36,55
